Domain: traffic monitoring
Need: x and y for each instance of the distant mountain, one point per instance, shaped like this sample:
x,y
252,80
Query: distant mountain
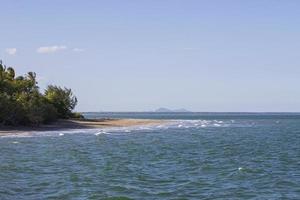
x,y
163,110
181,110
169,110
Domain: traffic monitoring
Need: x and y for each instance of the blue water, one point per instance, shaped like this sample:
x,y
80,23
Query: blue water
x,y
195,156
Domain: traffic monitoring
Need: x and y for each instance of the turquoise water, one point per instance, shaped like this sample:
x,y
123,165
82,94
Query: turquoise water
x,y
195,156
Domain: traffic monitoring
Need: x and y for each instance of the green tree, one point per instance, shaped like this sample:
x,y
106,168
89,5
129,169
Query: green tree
x,y
11,112
62,99
21,102
10,73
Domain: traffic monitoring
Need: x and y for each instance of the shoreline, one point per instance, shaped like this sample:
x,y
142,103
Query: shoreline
x,y
73,124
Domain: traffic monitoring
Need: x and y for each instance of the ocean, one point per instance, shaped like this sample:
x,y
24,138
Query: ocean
x,y
195,156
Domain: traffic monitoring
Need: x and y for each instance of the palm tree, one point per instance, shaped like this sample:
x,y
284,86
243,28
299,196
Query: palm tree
x,y
1,70
32,76
10,73
1,66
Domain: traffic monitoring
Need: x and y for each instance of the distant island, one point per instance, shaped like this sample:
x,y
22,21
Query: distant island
x,y
169,110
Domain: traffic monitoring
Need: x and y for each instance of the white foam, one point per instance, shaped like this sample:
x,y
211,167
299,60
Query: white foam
x,y
171,124
144,128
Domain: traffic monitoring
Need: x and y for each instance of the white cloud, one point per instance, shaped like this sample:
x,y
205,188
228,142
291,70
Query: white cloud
x,y
51,49
11,51
78,50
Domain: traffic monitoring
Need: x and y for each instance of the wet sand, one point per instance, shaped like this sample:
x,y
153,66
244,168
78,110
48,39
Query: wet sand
x,y
78,124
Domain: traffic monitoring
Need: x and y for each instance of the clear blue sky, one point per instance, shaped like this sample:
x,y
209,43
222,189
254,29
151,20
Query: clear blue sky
x,y
143,54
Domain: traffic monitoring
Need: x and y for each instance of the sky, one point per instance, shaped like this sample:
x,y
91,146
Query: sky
x,y
139,55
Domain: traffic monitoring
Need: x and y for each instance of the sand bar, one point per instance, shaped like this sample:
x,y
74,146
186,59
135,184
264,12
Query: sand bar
x,y
79,124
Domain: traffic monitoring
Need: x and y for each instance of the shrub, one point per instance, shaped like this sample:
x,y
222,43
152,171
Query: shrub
x,y
21,102
62,99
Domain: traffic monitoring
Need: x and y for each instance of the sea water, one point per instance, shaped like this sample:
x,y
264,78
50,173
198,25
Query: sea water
x,y
193,156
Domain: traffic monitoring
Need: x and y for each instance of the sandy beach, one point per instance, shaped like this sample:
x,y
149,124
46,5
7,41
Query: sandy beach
x,y
78,124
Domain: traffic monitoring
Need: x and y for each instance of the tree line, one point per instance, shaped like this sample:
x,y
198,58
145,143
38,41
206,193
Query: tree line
x,y
22,103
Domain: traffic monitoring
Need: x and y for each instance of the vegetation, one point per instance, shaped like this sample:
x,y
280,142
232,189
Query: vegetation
x,y
21,102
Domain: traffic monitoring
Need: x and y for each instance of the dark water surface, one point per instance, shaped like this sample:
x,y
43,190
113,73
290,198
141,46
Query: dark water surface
x,y
197,156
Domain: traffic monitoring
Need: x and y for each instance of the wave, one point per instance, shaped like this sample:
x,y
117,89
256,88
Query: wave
x,y
171,124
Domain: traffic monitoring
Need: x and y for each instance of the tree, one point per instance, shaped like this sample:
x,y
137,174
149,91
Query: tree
x,y
62,99
21,102
10,73
11,112
37,108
